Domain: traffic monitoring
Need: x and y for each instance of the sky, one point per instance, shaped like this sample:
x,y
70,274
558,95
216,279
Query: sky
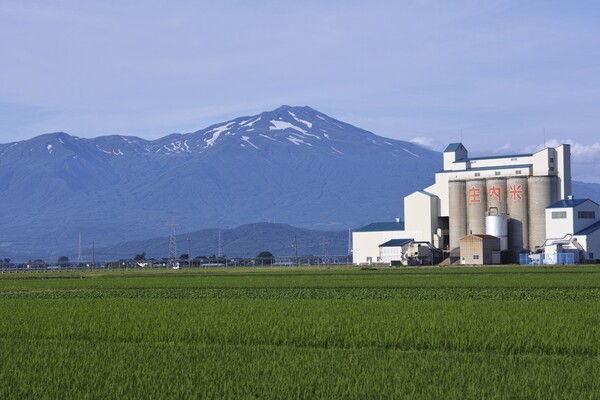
x,y
502,76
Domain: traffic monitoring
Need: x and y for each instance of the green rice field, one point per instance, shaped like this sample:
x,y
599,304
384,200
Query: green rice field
x,y
302,332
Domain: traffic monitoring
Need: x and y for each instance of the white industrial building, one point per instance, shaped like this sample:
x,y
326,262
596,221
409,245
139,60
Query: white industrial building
x,y
510,197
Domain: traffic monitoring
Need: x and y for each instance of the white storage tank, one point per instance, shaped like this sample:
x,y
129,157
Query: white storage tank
x,y
496,224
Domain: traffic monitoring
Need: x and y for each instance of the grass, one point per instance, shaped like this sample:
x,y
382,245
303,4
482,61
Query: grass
x,y
302,333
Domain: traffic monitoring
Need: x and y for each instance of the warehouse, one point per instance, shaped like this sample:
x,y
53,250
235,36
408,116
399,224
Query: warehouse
x,y
503,196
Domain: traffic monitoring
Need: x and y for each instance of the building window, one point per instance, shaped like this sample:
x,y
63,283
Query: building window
x,y
586,214
551,169
518,172
551,159
559,214
476,257
591,256
513,159
497,173
477,174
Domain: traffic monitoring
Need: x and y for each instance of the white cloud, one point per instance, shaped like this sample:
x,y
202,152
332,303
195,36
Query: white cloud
x,y
580,153
428,143
506,149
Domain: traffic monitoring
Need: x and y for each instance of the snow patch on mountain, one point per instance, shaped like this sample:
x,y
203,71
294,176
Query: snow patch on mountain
x,y
247,140
297,141
282,125
247,124
268,137
308,124
410,152
216,133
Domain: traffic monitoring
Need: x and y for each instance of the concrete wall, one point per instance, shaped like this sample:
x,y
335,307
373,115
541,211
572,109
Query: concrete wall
x,y
420,215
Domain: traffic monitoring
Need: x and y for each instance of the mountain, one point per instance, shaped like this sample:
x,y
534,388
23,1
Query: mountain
x,y
292,165
243,241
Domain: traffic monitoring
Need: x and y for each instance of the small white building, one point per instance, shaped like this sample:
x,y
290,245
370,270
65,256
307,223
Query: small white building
x,y
574,225
395,250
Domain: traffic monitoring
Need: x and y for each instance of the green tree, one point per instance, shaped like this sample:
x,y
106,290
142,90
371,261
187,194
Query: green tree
x,y
63,261
265,258
140,257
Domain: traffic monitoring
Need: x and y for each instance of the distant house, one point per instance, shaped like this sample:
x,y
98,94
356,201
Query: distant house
x,y
366,240
480,250
395,250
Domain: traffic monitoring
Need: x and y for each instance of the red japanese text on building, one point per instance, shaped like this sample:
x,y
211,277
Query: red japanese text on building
x,y
495,192
515,192
474,195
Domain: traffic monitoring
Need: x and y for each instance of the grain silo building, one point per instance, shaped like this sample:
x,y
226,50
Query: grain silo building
x,y
502,196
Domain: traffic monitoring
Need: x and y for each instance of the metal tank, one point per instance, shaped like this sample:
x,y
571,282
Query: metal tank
x,y
542,193
476,206
496,194
457,220
496,224
517,200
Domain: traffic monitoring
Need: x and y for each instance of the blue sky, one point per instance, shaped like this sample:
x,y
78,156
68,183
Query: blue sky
x,y
507,74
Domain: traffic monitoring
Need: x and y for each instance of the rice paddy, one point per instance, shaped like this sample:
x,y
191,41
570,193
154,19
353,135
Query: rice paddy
x,y
342,333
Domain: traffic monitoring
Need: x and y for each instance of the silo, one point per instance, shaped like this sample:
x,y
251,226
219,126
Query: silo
x,y
496,194
517,199
476,206
542,193
458,215
496,224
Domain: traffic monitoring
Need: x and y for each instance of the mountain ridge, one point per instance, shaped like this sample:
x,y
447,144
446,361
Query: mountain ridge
x,y
292,165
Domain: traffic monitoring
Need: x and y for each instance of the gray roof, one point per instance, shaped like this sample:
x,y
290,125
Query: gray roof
x,y
502,156
569,203
589,229
481,236
453,147
382,227
396,242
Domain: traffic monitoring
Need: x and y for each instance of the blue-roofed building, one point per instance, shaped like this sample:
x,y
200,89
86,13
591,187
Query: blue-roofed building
x,y
574,225
367,239
395,250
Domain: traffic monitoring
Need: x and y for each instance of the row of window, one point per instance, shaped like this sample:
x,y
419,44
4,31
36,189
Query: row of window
x,y
498,173
580,214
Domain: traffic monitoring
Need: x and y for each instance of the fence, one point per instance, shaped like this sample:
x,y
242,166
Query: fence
x,y
546,259
224,262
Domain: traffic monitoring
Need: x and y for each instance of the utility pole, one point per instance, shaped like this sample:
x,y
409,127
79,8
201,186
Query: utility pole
x,y
296,248
325,247
189,252
79,251
173,244
93,255
220,245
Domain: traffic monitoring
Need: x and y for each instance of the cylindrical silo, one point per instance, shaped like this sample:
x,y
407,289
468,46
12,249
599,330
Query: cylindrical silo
x,y
517,199
457,215
496,224
496,194
476,206
542,193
